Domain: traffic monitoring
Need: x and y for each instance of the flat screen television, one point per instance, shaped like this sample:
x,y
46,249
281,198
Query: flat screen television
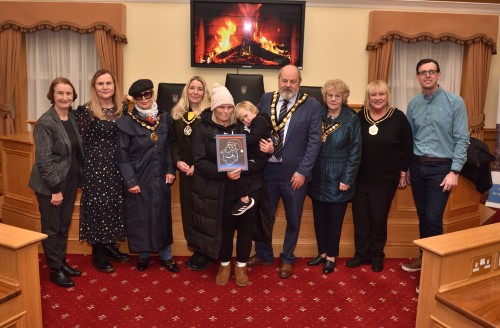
x,y
247,34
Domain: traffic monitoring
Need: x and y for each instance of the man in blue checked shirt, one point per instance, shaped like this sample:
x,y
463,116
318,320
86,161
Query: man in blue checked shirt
x,y
439,124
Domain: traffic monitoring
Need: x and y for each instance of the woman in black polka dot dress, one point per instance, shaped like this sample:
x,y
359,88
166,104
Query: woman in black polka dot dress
x,y
101,206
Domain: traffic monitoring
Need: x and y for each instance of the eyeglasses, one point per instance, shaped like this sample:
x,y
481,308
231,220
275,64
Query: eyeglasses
x,y
146,95
430,72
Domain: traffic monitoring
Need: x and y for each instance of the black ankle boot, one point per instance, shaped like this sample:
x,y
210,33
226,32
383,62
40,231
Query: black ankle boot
x,y
113,253
100,260
201,263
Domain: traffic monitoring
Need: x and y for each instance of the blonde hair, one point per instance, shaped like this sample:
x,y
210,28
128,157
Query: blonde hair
x,y
182,105
94,104
245,105
379,85
231,121
338,86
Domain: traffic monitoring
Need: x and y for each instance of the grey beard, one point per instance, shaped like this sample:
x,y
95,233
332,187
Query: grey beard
x,y
288,95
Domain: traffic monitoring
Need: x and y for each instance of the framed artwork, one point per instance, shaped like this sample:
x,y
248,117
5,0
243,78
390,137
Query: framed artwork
x,y
232,152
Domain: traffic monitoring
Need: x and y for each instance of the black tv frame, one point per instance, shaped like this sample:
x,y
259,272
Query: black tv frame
x,y
211,5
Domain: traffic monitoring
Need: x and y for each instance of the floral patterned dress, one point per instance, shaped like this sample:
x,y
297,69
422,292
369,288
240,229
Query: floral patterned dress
x,y
101,205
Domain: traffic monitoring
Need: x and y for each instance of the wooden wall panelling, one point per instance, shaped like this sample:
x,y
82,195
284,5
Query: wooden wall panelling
x,y
20,209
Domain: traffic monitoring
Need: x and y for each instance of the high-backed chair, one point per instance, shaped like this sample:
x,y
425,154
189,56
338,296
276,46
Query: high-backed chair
x,y
314,92
245,87
168,95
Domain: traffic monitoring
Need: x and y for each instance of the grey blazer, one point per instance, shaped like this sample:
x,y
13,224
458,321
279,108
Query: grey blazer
x,y
52,152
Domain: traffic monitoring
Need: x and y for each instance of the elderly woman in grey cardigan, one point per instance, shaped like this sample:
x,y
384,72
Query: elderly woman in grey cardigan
x,y
55,176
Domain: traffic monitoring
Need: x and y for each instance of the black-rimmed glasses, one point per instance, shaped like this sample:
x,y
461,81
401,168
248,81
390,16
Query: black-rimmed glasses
x,y
430,72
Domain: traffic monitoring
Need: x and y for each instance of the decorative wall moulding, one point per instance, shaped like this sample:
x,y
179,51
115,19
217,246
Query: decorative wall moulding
x,y
470,6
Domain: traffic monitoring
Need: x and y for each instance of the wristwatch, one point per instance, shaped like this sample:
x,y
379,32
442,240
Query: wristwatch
x,y
455,171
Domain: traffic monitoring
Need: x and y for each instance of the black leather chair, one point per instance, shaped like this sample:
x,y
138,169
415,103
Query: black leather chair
x,y
314,92
245,87
168,95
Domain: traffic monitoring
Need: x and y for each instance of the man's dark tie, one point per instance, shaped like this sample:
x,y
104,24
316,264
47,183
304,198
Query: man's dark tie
x,y
278,151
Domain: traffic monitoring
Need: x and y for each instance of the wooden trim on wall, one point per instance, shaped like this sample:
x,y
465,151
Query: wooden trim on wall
x,y
356,107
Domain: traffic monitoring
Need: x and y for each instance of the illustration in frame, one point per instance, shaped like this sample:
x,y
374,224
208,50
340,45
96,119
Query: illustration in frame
x,y
232,152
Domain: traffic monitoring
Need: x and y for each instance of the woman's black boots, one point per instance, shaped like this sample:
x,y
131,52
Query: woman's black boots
x,y
100,258
113,253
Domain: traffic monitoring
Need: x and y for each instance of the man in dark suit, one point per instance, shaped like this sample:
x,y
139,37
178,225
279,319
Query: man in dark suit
x,y
297,124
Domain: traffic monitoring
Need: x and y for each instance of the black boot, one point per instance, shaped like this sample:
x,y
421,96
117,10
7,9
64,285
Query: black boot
x,y
201,263
113,253
100,260
192,259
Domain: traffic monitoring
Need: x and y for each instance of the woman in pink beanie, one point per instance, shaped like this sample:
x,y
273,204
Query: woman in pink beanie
x,y
214,194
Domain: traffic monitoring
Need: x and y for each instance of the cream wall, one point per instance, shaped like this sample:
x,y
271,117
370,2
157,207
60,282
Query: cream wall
x,y
335,38
158,47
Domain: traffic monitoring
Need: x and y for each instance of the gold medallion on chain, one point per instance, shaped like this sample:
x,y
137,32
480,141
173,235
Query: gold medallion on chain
x,y
154,137
373,130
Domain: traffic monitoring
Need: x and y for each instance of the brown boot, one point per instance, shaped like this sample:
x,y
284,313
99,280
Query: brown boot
x,y
223,275
241,274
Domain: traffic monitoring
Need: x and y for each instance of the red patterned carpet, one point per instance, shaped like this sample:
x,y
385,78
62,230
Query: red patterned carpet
x,y
157,298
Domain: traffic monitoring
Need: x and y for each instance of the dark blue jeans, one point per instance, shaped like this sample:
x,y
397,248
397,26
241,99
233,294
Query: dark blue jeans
x,y
430,200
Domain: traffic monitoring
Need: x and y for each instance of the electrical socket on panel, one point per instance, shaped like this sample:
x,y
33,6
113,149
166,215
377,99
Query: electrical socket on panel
x,y
481,264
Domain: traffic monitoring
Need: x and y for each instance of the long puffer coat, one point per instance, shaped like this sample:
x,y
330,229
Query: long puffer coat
x,y
211,188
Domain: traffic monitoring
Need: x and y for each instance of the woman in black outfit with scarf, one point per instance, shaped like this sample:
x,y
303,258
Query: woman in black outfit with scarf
x,y
145,162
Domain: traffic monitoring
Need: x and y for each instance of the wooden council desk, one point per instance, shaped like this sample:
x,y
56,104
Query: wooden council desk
x,y
20,301
460,279
20,209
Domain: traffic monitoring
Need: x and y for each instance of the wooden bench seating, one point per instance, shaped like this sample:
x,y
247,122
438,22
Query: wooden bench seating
x,y
8,292
460,279
476,303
